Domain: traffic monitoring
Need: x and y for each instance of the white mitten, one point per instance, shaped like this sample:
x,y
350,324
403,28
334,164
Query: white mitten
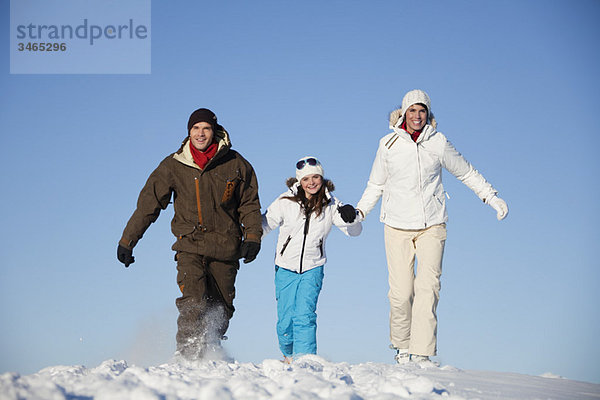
x,y
500,206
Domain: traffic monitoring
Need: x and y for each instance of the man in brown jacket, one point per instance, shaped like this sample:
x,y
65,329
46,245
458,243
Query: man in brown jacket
x,y
217,221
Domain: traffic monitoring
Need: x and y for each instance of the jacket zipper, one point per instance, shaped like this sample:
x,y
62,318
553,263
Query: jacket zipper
x,y
306,224
420,183
197,183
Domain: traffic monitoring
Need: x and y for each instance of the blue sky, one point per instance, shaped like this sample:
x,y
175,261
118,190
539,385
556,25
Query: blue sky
x,y
513,85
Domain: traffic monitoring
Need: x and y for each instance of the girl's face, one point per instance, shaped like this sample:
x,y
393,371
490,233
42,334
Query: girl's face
x,y
416,118
311,184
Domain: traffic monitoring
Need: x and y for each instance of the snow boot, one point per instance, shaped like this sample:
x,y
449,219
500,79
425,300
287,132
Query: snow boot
x,y
423,361
402,356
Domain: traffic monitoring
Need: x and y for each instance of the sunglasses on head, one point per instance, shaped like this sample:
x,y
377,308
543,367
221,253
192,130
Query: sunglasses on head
x,y
310,161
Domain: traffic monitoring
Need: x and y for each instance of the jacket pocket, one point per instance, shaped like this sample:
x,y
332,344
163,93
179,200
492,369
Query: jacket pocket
x,y
439,199
230,186
321,247
185,232
287,241
229,191
386,204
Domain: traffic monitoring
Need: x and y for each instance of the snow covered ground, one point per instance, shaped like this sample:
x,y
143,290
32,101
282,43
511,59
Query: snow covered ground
x,y
309,377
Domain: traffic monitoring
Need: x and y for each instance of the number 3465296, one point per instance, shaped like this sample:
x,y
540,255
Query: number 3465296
x,y
41,46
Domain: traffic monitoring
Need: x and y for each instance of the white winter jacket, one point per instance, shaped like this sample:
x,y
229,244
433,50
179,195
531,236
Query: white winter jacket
x,y
409,177
298,250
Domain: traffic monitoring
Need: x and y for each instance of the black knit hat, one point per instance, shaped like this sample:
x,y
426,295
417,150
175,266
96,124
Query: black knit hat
x,y
202,115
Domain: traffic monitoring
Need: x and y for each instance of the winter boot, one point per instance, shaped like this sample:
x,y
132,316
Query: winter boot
x,y
402,356
423,361
191,350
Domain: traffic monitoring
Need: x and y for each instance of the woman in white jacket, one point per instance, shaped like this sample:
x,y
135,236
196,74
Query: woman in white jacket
x,y
407,173
304,214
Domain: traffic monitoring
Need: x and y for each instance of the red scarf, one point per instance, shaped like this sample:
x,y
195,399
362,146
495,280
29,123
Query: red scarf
x,y
203,157
414,135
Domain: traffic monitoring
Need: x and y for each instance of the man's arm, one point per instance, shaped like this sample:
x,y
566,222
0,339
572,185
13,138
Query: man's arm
x,y
154,197
250,217
249,206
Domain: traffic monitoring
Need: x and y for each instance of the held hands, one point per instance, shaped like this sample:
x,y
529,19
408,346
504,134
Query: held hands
x,y
249,251
125,255
348,213
500,206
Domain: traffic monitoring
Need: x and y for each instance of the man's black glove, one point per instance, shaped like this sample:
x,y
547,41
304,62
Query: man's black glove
x,y
249,251
125,255
348,213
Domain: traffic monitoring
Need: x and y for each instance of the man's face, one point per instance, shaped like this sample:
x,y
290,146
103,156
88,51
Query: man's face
x,y
201,135
416,118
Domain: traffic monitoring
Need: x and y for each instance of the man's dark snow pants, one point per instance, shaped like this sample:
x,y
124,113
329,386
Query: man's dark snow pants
x,y
206,304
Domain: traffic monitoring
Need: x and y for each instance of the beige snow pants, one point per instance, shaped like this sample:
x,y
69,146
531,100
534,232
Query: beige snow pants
x,y
414,299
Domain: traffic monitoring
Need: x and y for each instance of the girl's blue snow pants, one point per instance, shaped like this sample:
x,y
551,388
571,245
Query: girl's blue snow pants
x,y
297,296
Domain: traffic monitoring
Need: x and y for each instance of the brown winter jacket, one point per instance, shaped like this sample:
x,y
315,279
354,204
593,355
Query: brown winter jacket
x,y
215,208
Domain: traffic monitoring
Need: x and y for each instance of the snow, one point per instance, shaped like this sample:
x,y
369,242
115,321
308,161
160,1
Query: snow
x,y
309,377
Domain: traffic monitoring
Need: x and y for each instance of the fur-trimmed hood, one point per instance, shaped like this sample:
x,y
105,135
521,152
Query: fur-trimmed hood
x,y
293,184
397,117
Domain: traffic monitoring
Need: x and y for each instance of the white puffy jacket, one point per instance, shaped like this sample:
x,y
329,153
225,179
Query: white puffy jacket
x,y
409,177
298,250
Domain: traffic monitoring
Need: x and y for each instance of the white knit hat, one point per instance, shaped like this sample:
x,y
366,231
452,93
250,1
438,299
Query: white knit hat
x,y
307,166
416,97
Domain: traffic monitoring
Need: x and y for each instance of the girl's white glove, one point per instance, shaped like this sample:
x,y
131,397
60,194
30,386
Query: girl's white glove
x,y
500,206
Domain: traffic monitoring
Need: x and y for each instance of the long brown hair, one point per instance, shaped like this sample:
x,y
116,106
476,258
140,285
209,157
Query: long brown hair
x,y
317,202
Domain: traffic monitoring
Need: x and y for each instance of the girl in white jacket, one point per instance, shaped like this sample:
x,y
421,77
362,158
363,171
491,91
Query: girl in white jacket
x,y
304,214
407,173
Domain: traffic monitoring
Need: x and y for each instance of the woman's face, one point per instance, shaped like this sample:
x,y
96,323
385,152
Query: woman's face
x,y
311,184
415,117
